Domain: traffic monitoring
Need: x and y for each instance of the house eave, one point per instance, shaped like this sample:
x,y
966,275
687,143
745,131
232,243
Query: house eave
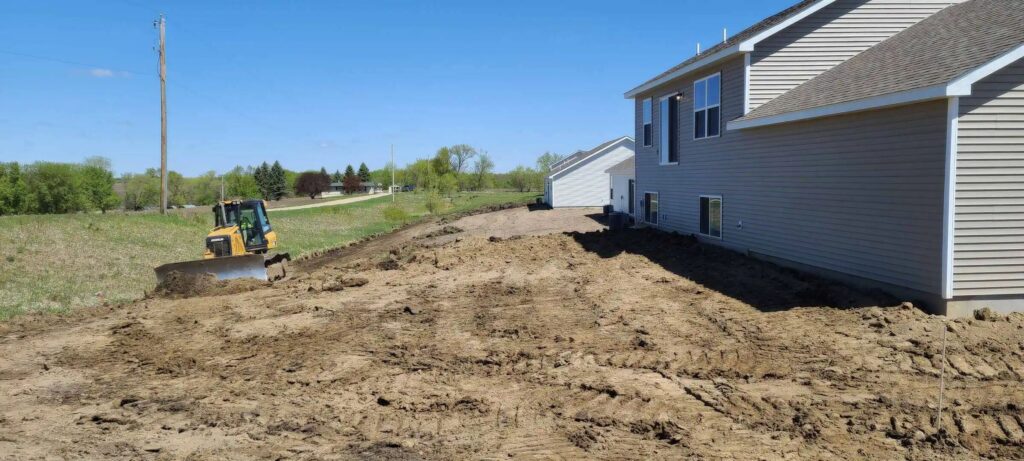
x,y
696,65
746,46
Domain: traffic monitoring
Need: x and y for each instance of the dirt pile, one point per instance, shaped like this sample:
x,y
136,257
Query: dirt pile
x,y
613,345
178,285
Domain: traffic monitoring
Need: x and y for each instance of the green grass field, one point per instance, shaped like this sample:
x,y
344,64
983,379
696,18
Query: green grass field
x,y
60,262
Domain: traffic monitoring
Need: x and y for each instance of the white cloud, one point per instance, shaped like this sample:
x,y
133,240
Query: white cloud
x,y
101,73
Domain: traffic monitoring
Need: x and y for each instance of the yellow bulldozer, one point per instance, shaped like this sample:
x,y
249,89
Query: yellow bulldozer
x,y
239,246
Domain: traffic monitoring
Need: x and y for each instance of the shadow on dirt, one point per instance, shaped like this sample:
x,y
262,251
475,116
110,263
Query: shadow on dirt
x,y
763,285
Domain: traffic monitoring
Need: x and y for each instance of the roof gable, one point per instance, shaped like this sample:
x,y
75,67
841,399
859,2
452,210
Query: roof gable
x,y
604,147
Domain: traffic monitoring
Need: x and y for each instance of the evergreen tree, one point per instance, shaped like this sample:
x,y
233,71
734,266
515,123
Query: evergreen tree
x,y
337,176
364,173
264,181
278,181
349,171
323,171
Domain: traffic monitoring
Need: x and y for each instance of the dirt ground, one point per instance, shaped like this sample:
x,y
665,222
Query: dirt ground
x,y
497,336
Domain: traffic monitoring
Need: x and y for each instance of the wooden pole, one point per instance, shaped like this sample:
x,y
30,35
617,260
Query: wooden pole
x,y
163,120
392,173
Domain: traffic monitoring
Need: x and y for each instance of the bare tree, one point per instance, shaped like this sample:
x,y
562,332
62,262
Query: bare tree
x,y
460,154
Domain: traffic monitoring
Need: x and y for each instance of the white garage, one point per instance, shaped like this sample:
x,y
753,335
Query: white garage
x,y
622,183
582,179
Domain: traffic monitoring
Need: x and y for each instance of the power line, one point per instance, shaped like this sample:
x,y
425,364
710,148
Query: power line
x,y
74,63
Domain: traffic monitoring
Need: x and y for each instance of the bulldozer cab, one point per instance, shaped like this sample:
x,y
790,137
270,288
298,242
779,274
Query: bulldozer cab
x,y
250,216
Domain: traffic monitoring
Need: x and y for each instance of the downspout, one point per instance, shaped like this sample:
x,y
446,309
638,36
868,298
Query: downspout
x,y
949,196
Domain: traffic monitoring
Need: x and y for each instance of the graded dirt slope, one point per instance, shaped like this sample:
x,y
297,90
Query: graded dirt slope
x,y
456,345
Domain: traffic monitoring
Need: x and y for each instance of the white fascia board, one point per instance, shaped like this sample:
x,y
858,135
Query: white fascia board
x,y
720,55
961,86
877,102
748,44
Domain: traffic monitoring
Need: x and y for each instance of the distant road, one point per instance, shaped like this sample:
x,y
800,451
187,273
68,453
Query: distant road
x,y
329,203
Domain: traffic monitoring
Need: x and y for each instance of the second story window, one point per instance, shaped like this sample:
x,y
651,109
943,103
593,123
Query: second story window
x,y
707,107
669,113
648,133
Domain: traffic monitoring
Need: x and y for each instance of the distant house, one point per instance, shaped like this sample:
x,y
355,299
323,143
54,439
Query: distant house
x,y
338,188
581,180
622,185
875,141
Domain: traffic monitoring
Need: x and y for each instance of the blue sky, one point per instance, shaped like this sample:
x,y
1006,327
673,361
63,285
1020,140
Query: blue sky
x,y
327,83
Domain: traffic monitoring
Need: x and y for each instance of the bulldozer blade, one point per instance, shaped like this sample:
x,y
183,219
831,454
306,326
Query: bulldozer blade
x,y
225,268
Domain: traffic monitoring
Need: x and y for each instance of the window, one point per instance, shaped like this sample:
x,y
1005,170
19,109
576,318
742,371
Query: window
x,y
711,216
648,129
651,207
707,107
669,112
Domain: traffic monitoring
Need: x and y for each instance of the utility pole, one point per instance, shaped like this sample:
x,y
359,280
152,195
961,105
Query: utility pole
x,y
392,173
163,119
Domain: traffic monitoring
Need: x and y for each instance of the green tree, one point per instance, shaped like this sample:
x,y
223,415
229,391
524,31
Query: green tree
x,y
279,181
203,189
337,176
448,185
364,173
421,174
349,171
482,169
442,162
177,195
545,161
54,188
239,183
522,178
140,191
12,189
98,184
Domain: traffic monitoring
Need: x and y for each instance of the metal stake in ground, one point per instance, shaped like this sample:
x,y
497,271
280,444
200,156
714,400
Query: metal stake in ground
x,y
942,379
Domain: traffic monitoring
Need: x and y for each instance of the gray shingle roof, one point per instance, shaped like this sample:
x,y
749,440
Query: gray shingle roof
x,y
743,35
935,51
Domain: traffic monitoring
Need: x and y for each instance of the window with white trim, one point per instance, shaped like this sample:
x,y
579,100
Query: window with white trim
x,y
711,215
648,115
668,110
707,107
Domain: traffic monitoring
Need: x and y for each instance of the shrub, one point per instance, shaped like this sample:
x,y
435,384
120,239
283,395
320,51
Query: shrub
x,y
434,203
395,214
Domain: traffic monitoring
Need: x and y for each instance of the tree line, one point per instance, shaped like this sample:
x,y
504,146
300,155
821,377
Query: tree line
x,y
49,187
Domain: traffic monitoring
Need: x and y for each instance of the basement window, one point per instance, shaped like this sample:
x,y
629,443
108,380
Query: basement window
x,y
707,107
711,215
648,133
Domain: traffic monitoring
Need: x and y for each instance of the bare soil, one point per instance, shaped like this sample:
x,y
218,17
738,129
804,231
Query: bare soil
x,y
533,344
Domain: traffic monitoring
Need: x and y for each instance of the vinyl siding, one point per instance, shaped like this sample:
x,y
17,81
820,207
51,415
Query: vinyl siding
x,y
988,257
859,194
826,38
586,185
